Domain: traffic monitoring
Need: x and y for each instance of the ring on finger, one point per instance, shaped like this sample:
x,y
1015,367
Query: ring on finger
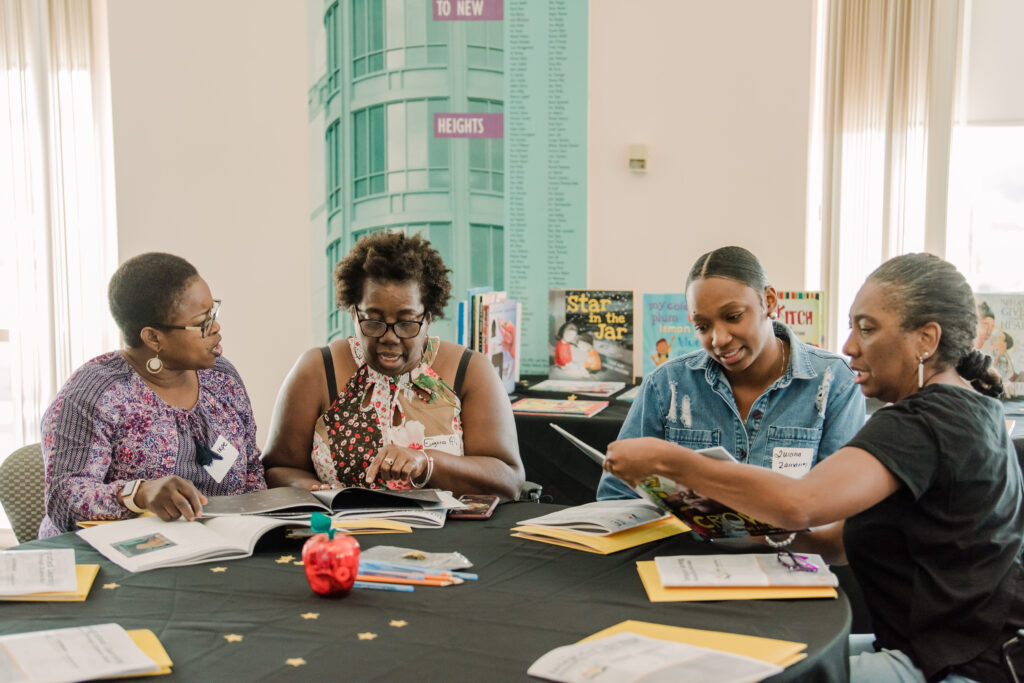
x,y
389,461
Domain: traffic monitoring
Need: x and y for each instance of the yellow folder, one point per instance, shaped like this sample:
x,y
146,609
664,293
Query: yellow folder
x,y
147,641
648,571
603,545
779,652
84,573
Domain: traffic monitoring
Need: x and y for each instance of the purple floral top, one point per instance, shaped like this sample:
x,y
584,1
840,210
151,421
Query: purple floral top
x,y
106,427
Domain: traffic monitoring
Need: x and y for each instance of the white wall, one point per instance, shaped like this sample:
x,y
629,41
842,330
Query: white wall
x,y
211,163
995,56
721,95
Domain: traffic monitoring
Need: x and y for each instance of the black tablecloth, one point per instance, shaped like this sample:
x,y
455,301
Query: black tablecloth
x,y
530,598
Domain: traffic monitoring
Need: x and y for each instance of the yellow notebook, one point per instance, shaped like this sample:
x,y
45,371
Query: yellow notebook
x,y
779,652
151,645
648,571
603,545
84,573
86,523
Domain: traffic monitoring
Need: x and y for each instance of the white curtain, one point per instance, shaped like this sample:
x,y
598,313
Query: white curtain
x,y
888,107
57,220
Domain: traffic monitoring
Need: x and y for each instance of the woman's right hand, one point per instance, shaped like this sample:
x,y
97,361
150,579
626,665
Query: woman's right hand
x,y
171,497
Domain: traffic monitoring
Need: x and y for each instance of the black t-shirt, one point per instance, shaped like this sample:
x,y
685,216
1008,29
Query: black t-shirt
x,y
939,560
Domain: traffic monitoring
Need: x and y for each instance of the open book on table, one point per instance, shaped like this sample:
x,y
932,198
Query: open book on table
x,y
705,516
602,527
288,499
149,543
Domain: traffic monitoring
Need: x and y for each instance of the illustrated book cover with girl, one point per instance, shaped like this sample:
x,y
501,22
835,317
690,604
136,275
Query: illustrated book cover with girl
x,y
590,334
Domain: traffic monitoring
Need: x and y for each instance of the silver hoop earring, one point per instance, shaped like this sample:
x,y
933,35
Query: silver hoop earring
x,y
154,365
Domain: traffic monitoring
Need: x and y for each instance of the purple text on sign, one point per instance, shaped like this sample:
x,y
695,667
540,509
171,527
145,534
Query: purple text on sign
x,y
469,125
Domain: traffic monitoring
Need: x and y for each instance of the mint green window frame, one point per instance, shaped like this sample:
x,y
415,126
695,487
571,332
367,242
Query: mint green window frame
x,y
369,151
485,45
367,37
487,255
333,144
332,26
413,38
486,155
334,255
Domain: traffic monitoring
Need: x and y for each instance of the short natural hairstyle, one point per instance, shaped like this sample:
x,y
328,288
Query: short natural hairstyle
x,y
145,290
393,257
924,288
735,263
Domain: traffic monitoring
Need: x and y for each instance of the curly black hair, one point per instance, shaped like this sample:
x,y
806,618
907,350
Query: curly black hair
x,y
393,257
145,289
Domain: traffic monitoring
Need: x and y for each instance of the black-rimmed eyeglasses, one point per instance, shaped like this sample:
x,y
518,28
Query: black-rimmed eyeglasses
x,y
794,562
203,328
404,329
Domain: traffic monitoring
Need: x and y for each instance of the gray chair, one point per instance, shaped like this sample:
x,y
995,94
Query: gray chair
x,y
21,491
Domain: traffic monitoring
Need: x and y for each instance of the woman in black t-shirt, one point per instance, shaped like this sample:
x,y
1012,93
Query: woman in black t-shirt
x,y
925,502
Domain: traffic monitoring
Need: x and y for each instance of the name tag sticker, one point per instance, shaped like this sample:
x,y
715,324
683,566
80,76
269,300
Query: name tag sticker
x,y
229,454
446,443
793,462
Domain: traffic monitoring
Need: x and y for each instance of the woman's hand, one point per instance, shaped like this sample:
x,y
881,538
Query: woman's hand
x,y
631,460
171,497
396,463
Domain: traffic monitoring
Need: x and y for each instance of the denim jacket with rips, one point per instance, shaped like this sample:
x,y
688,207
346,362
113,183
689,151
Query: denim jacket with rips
x,y
804,416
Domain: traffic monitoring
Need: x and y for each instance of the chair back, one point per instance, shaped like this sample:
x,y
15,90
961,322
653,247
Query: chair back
x,y
21,491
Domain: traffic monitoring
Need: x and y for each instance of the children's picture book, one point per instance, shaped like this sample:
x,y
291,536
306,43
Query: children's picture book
x,y
601,517
582,387
667,331
744,570
1001,335
551,406
804,313
287,499
502,324
478,303
629,395
590,334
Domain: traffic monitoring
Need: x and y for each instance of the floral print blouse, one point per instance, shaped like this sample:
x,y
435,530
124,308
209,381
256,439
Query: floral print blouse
x,y
415,410
107,427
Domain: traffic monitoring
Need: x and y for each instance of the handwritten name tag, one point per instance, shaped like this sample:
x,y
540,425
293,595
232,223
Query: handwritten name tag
x,y
793,462
218,468
446,443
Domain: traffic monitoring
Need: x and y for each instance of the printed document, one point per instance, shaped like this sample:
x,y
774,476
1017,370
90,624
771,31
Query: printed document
x,y
37,571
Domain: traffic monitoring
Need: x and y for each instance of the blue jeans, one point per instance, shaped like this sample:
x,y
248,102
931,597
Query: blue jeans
x,y
886,666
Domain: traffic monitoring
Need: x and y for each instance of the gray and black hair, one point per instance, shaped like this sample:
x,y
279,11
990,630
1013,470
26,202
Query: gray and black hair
x,y
925,288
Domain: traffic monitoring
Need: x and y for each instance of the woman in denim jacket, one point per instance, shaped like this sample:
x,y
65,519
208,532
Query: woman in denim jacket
x,y
755,389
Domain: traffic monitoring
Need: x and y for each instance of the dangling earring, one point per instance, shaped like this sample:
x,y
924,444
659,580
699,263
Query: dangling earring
x,y
154,365
920,370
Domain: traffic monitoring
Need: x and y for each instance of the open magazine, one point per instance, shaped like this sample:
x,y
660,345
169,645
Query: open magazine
x,y
149,542
704,516
288,499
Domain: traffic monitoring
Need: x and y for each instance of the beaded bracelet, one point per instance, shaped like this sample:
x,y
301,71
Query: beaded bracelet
x,y
429,474
780,544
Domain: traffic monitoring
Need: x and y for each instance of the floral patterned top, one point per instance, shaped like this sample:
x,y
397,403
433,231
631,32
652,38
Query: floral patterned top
x,y
415,410
106,427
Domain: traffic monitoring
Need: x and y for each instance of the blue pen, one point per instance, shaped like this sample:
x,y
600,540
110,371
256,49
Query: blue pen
x,y
401,588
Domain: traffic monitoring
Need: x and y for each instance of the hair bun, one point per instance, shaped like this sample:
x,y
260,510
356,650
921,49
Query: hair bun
x,y
974,365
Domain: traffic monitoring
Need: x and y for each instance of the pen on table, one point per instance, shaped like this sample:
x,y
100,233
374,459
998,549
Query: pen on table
x,y
432,581
397,566
383,586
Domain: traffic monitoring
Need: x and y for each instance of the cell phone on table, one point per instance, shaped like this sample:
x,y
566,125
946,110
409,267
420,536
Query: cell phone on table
x,y
477,507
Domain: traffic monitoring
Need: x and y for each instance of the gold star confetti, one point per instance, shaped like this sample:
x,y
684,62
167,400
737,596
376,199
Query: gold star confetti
x,y
367,636
295,661
311,615
398,623
571,397
111,586
285,559
218,570
233,638
299,563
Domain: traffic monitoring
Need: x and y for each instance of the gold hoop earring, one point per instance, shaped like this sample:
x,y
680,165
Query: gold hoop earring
x,y
154,365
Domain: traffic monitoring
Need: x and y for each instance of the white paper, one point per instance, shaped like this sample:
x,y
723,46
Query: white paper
x,y
229,454
750,569
71,654
633,657
602,517
37,571
793,462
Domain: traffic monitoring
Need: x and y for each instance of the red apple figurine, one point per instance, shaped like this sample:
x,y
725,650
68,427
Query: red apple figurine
x,y
331,561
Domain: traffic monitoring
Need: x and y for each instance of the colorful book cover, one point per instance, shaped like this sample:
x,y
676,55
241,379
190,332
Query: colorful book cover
x,y
804,313
590,334
667,329
501,329
579,386
480,301
472,305
1001,335
551,406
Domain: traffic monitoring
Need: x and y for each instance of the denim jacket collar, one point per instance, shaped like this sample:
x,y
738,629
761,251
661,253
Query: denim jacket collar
x,y
799,367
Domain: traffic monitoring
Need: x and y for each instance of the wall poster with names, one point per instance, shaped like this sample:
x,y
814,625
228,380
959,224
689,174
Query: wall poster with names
x,y
546,160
